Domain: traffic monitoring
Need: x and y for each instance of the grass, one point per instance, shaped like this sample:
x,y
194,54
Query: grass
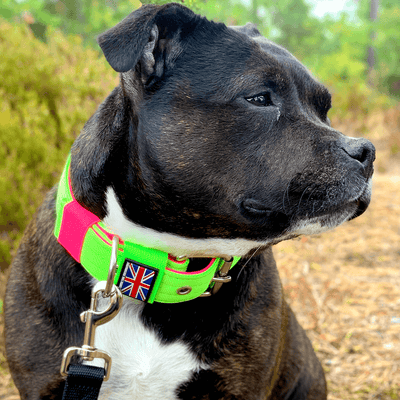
x,y
343,286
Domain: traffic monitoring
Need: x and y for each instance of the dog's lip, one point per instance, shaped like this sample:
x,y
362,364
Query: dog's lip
x,y
362,203
256,207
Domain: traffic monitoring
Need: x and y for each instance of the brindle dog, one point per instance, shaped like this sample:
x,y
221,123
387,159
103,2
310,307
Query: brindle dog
x,y
215,143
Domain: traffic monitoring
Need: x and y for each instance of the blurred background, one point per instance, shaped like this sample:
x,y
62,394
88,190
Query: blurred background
x,y
344,285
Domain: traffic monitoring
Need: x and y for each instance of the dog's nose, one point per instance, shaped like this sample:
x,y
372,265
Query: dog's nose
x,y
363,151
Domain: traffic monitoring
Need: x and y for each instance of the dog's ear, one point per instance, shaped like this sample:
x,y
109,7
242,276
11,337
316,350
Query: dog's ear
x,y
136,37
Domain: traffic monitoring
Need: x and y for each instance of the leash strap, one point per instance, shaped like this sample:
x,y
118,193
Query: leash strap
x,y
83,382
144,274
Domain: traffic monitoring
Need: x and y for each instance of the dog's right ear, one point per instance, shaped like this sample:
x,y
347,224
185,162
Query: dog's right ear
x,y
135,37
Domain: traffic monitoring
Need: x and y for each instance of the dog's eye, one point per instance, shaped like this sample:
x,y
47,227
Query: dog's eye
x,y
263,100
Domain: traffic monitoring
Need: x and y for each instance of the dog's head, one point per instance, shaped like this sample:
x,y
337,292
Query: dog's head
x,y
223,135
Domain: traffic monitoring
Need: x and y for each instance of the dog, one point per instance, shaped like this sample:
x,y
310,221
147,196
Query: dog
x,y
215,146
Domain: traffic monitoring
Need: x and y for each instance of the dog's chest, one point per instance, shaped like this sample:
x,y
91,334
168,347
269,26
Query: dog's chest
x,y
142,366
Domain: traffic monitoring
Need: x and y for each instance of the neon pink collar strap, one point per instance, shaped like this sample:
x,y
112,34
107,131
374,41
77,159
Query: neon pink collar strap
x,y
144,274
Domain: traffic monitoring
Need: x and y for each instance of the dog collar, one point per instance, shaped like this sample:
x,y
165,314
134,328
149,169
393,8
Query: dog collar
x,y
143,273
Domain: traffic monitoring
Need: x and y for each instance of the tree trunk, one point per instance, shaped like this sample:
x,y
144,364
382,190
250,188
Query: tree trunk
x,y
373,15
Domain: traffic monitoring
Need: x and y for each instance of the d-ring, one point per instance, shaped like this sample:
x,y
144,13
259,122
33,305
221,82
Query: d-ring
x,y
109,290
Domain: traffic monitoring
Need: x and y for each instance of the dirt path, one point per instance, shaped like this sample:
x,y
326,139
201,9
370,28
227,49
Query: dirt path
x,y
344,287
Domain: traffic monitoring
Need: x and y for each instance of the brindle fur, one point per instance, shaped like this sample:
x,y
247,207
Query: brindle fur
x,y
187,154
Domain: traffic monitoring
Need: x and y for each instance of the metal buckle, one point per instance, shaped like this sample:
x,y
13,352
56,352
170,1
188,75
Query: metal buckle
x,y
220,277
93,318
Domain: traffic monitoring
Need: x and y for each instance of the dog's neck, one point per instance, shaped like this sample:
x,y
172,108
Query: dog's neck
x,y
175,245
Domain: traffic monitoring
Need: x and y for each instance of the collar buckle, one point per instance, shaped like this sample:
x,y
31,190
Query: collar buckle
x,y
220,277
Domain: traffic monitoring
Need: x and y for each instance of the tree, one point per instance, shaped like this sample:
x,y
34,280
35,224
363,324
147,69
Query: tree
x,y
373,15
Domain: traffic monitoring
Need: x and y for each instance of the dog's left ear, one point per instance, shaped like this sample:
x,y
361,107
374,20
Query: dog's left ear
x,y
136,37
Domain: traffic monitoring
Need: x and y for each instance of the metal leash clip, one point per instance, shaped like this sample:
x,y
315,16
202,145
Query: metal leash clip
x,y
93,318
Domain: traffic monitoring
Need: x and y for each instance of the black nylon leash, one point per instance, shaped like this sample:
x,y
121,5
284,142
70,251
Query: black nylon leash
x,y
83,382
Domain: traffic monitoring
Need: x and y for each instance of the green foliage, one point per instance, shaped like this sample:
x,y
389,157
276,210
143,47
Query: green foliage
x,y
236,14
193,4
47,92
288,22
87,18
386,43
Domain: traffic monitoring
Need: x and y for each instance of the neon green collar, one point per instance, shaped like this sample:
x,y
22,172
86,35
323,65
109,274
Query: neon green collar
x,y
144,274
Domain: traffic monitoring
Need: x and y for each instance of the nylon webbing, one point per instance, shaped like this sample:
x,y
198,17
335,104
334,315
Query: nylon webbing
x,y
83,382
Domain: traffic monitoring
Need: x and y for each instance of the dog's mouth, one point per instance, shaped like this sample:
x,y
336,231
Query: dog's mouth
x,y
326,218
350,210
362,202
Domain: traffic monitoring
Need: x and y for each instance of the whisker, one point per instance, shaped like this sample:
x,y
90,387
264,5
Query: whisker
x,y
301,198
286,194
313,201
255,251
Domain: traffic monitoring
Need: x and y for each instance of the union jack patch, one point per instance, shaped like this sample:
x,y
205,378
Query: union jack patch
x,y
137,280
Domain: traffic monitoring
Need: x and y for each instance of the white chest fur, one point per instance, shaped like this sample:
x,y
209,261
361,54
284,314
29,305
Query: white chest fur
x,y
142,367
